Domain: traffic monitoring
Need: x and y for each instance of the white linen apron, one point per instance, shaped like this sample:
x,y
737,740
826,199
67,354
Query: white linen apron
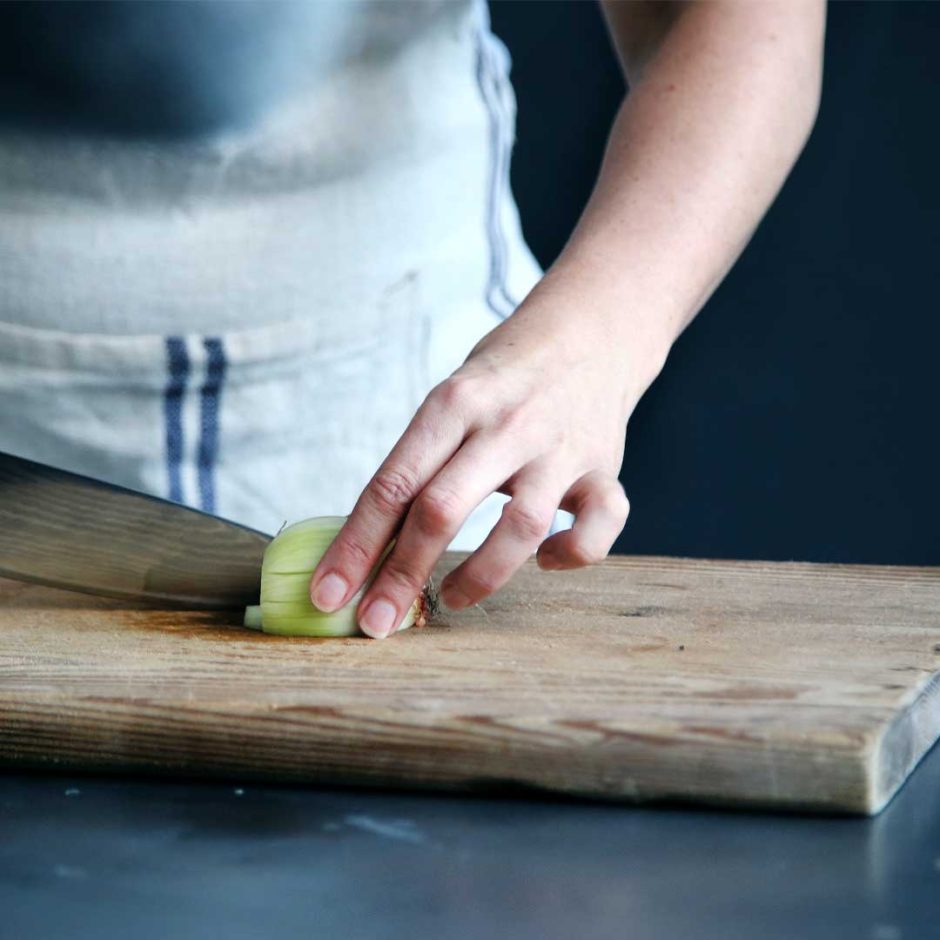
x,y
247,322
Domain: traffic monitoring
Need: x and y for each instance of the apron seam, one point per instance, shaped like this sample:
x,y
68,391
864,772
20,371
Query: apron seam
x,y
492,91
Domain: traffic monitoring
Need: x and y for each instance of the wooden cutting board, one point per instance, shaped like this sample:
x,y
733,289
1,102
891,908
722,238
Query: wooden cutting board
x,y
779,685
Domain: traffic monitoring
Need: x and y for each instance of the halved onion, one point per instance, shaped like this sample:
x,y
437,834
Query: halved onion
x,y
288,563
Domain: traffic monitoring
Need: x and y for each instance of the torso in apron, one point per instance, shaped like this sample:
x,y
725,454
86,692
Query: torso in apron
x,y
245,318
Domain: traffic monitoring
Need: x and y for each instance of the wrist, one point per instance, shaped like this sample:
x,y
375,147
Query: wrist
x,y
602,311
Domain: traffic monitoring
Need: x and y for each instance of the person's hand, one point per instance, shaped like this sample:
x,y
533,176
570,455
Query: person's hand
x,y
538,412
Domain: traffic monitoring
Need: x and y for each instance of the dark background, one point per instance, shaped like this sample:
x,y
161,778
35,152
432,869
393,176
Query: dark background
x,y
797,416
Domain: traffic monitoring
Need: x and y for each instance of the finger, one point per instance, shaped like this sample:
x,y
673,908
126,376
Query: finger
x,y
478,469
524,523
432,437
600,507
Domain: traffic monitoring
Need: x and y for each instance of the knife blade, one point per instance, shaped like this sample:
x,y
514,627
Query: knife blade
x,y
65,530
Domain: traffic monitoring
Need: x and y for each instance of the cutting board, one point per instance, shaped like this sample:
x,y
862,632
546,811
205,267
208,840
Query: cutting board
x,y
778,685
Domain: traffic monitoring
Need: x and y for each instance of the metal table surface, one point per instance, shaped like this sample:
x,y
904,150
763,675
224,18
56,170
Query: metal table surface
x,y
104,857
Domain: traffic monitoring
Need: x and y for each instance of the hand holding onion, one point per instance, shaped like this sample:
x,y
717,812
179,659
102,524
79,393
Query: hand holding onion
x,y
722,99
538,412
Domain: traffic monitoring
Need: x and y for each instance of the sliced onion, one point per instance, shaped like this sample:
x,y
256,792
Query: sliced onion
x,y
289,561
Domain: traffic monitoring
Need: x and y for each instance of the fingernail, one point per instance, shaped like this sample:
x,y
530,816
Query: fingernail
x,y
549,562
454,598
329,593
378,619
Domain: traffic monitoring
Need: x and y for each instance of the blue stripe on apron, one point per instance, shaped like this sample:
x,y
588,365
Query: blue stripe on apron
x,y
178,368
209,421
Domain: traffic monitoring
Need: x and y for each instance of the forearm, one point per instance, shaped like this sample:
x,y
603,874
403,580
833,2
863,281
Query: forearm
x,y
722,99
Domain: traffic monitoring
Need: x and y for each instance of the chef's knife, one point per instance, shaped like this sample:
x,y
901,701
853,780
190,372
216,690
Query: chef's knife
x,y
69,531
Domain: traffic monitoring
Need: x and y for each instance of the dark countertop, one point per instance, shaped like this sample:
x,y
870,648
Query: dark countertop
x,y
126,858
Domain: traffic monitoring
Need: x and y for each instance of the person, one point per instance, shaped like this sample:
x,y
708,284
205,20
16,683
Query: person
x,y
251,252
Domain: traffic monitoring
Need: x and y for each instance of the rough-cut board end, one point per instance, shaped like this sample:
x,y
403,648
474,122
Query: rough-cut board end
x,y
902,745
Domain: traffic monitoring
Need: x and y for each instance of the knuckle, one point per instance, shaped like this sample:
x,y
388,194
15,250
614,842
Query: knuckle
x,y
525,522
455,394
393,489
437,511
402,576
512,420
524,428
617,504
356,553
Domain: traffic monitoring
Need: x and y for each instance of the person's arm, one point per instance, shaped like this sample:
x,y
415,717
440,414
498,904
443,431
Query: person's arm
x,y
723,95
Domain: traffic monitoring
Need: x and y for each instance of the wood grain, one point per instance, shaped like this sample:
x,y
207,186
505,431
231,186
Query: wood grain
x,y
782,685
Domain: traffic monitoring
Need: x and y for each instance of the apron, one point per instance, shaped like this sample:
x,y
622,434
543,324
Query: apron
x,y
246,321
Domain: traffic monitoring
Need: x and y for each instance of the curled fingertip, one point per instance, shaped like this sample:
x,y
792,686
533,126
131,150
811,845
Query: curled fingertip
x,y
549,561
454,598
